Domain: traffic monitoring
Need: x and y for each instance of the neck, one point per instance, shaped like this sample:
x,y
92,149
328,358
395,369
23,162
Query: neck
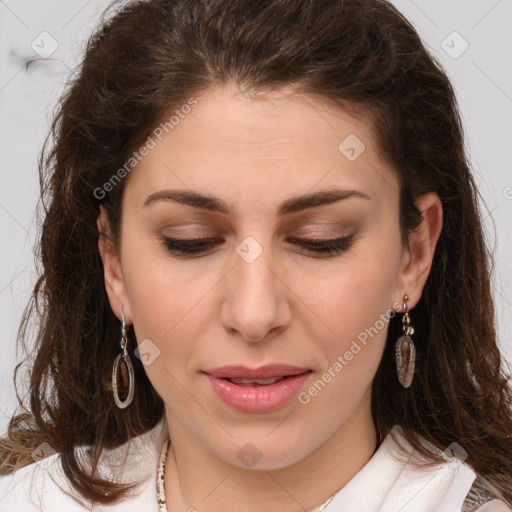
x,y
196,478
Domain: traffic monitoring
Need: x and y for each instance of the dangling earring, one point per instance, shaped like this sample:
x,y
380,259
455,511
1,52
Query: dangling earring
x,y
123,364
405,351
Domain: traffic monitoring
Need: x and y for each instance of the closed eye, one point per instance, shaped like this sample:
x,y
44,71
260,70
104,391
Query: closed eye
x,y
197,246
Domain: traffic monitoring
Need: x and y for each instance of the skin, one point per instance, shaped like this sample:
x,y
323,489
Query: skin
x,y
287,306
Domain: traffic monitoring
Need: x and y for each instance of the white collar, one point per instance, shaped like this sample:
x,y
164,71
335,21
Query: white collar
x,y
390,481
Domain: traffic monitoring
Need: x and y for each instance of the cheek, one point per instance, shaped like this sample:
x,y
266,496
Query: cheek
x,y
353,297
356,308
166,309
162,300
354,300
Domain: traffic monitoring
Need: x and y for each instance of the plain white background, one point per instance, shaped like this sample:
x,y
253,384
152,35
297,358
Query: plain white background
x,y
471,38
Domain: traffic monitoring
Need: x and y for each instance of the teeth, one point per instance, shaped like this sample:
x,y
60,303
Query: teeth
x,y
256,381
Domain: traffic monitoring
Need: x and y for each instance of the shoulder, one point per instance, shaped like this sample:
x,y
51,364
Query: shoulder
x,y
30,487
453,481
43,485
482,497
494,506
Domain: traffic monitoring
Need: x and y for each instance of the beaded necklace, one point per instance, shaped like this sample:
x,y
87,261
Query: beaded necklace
x,y
160,488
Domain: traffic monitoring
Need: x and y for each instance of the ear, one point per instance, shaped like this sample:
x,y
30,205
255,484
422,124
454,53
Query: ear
x,y
112,271
417,260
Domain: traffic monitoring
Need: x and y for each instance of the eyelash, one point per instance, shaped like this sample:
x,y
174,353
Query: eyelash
x,y
330,247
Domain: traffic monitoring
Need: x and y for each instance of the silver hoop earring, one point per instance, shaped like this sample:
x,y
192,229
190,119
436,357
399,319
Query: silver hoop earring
x,y
405,350
123,366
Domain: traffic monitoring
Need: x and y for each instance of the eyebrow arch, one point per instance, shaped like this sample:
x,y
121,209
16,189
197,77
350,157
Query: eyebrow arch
x,y
293,205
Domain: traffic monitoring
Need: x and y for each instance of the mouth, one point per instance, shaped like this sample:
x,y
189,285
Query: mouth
x,y
257,391
264,375
254,383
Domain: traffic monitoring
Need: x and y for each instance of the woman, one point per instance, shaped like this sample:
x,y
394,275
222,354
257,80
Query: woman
x,y
265,284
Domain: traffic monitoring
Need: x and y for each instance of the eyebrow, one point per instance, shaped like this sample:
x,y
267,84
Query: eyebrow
x,y
217,205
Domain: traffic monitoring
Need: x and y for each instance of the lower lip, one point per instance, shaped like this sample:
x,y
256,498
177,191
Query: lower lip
x,y
260,398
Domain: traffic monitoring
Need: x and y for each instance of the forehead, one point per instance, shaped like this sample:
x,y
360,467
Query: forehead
x,y
278,144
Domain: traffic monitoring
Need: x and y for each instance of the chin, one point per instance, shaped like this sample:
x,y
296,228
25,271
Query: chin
x,y
264,455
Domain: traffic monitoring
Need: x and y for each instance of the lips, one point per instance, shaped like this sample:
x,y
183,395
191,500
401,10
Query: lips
x,y
271,371
257,390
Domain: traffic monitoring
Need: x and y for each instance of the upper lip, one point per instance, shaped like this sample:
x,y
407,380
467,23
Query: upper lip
x,y
263,372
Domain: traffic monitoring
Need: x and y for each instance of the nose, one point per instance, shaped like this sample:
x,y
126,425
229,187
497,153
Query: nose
x,y
256,299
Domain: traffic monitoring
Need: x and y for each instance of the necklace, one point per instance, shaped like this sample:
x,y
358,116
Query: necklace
x,y
160,487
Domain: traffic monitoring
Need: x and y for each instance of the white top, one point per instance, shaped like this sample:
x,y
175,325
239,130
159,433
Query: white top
x,y
384,484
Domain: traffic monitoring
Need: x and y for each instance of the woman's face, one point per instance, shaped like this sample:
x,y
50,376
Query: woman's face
x,y
245,174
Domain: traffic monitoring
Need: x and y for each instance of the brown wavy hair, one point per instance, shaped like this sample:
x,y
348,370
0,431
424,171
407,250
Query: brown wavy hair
x,y
147,58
